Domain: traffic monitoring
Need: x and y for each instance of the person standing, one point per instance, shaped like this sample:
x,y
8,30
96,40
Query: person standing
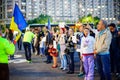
x,y
87,55
70,45
101,49
62,42
79,37
6,48
36,43
27,39
42,45
54,53
40,34
49,39
9,36
118,76
114,49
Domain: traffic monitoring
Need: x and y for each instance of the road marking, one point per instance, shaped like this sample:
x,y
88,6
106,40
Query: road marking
x,y
18,59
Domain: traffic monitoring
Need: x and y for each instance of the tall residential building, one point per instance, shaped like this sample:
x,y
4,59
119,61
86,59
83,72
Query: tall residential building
x,y
104,9
30,8
117,9
1,9
62,10
6,9
34,8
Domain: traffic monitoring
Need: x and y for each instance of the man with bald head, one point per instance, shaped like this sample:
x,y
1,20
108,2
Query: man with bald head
x,y
101,49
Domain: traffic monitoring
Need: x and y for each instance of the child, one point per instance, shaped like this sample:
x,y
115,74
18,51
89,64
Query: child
x,y
87,55
42,45
53,52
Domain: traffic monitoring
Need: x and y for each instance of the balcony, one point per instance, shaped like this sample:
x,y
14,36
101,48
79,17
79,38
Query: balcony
x,y
23,3
23,10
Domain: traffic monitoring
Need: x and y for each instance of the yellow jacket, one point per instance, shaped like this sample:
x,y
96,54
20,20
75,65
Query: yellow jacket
x,y
6,48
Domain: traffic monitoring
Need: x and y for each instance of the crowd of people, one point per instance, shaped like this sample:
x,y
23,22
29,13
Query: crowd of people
x,y
97,48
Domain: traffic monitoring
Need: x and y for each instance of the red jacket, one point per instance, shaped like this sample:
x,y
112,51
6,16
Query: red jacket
x,y
53,52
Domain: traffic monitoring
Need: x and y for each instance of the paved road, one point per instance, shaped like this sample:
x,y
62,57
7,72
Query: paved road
x,y
38,70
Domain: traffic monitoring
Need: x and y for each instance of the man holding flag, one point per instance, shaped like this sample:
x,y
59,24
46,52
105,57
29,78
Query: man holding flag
x,y
18,22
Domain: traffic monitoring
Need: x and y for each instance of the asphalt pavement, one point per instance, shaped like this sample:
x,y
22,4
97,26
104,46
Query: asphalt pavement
x,y
39,70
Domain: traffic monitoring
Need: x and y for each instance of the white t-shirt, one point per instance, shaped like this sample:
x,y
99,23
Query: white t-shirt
x,y
42,42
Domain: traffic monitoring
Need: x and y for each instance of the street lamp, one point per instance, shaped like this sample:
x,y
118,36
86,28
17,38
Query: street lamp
x,y
110,18
113,18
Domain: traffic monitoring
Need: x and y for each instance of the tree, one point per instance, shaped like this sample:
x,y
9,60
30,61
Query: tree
x,y
89,19
96,20
42,19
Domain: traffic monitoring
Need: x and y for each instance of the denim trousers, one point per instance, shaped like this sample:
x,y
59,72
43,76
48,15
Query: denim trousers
x,y
27,47
103,65
42,51
70,58
63,61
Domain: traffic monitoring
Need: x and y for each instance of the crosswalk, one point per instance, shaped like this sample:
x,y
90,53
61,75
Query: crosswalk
x,y
18,59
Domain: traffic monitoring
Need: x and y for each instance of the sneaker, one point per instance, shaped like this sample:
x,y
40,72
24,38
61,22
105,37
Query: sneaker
x,y
81,74
64,69
41,55
29,61
61,68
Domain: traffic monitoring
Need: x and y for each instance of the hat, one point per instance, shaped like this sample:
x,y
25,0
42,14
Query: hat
x,y
27,28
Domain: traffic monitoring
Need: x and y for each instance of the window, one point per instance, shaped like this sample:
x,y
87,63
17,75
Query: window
x,y
0,9
9,14
23,7
0,2
23,0
0,16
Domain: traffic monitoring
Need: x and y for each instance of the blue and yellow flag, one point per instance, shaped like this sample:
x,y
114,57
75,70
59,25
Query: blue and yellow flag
x,y
18,22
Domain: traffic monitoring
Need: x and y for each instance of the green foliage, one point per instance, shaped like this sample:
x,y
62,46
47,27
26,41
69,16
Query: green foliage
x,y
67,21
96,20
89,19
42,19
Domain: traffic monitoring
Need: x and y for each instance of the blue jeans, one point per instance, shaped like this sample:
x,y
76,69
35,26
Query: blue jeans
x,y
42,50
63,61
27,47
70,58
103,65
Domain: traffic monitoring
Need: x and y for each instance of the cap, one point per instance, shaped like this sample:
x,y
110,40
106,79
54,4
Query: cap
x,y
27,28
